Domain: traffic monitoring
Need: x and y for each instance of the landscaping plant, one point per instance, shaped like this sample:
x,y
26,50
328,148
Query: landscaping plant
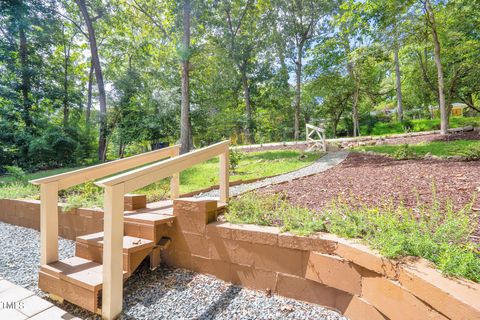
x,y
438,233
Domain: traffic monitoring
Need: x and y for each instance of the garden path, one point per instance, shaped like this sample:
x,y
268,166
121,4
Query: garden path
x,y
326,162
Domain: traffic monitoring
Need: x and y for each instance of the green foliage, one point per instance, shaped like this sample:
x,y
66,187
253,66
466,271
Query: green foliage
x,y
386,128
252,208
86,195
235,157
438,233
54,149
16,173
404,152
19,190
471,154
252,165
469,149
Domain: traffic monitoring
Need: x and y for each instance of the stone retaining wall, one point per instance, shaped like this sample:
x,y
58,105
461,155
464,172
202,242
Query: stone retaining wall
x,y
73,223
324,269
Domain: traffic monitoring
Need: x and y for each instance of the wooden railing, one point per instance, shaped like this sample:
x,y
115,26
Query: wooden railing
x,y
50,186
115,188
319,140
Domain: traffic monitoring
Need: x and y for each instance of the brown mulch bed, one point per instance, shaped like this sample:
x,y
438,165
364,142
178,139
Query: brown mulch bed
x,y
373,179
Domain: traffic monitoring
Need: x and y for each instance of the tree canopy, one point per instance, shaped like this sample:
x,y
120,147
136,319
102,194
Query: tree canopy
x,y
90,80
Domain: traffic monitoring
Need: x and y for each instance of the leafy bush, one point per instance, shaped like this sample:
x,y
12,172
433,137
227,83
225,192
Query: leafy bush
x,y
273,211
404,152
437,233
86,195
53,149
17,173
235,157
471,154
380,128
19,190
407,125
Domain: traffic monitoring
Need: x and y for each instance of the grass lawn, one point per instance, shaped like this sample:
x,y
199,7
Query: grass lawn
x,y
466,148
251,166
382,128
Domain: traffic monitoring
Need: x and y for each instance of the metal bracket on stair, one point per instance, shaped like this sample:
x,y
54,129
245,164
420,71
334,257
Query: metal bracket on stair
x,y
155,258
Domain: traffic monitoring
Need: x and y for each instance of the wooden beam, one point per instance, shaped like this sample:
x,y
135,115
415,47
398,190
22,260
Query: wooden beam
x,y
224,176
72,178
112,290
141,177
48,223
175,181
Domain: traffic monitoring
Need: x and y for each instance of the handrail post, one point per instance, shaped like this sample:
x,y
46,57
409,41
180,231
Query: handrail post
x,y
224,176
112,290
48,223
175,179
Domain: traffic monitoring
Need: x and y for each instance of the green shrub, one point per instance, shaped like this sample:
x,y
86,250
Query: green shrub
x,y
54,149
407,125
385,127
273,211
17,173
19,190
471,154
404,152
435,232
235,157
87,195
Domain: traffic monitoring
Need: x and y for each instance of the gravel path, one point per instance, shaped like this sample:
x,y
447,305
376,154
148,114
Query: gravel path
x,y
326,162
166,293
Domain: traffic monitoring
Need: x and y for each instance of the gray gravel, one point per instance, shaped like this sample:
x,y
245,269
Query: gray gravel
x,y
329,160
166,293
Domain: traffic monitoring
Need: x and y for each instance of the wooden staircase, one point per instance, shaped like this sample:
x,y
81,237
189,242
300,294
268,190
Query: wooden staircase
x,y
79,279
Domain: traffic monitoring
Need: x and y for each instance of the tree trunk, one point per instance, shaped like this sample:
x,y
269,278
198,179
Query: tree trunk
x,y
186,138
356,93
438,63
399,85
356,124
298,92
89,96
25,75
102,138
66,55
249,135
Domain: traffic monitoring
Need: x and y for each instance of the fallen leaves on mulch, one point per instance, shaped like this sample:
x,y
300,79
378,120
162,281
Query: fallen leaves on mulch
x,y
373,180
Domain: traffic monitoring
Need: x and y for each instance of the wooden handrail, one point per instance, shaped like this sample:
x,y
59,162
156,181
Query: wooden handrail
x,y
115,188
144,176
72,178
49,187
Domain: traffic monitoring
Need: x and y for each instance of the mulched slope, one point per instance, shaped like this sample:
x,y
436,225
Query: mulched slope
x,y
373,179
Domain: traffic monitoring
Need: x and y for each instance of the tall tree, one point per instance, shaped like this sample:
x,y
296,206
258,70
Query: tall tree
x,y
390,27
239,20
102,97
186,138
438,63
300,20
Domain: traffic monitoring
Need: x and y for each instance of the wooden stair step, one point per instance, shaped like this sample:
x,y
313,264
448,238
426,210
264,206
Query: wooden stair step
x,y
134,250
130,244
148,218
75,279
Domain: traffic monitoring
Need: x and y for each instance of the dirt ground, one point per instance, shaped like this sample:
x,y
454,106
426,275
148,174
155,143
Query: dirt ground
x,y
373,179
